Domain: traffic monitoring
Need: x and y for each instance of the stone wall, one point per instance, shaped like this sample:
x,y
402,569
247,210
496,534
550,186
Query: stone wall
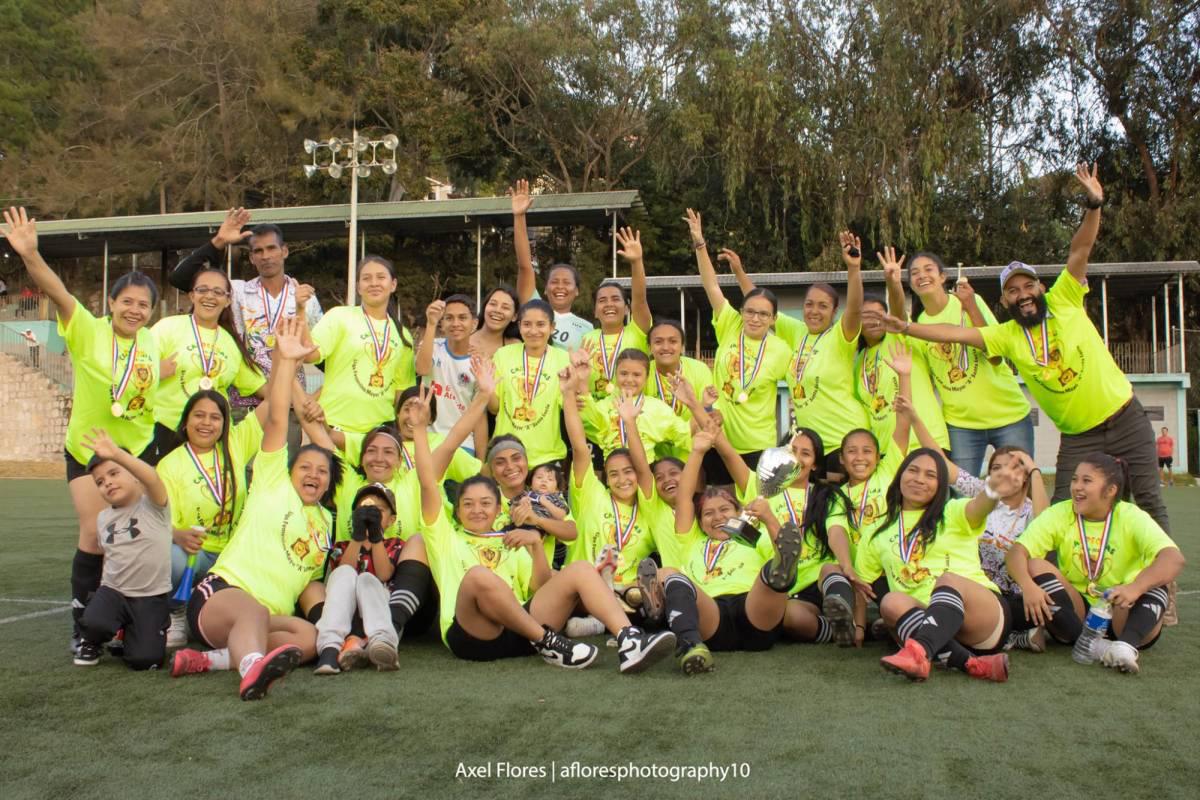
x,y
35,414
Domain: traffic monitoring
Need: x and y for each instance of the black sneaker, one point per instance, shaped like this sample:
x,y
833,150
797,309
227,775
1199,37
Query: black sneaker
x,y
780,572
560,651
653,601
841,618
327,662
637,649
88,655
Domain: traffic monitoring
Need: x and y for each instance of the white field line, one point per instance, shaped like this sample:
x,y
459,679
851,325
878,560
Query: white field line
x,y
33,614
37,602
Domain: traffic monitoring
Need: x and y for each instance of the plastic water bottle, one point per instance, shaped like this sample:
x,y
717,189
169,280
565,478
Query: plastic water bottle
x,y
1095,627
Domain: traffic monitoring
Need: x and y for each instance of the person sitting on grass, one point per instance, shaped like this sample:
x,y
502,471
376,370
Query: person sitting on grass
x,y
1106,547
244,608
499,597
135,536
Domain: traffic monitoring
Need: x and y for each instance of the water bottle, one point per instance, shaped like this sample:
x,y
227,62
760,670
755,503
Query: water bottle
x,y
1095,627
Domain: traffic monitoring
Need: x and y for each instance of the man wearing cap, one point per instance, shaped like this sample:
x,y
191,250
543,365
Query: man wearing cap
x,y
1065,363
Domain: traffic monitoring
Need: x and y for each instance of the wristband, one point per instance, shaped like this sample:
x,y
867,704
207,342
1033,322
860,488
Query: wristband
x,y
991,493
1091,204
698,245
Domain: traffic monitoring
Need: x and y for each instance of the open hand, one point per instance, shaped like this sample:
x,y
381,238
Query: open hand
x,y
521,199
630,243
851,250
230,231
20,231
1090,181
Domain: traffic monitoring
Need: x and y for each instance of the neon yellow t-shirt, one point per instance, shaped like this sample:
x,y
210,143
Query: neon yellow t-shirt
x,y
695,372
593,507
603,378
549,541
226,367
954,549
820,377
721,568
360,389
192,502
661,431
280,544
531,409
876,386
90,344
975,393
407,492
749,426
868,500
789,506
462,464
672,547
453,552
1078,385
1133,542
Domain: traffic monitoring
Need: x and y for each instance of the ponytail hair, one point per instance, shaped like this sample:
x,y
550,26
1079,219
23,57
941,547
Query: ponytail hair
x,y
393,307
228,473
225,320
927,525
823,497
1115,471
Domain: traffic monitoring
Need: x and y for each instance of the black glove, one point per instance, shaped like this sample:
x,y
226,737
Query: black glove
x,y
375,527
363,520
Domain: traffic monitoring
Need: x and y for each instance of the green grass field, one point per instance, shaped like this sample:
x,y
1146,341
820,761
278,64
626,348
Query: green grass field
x,y
809,721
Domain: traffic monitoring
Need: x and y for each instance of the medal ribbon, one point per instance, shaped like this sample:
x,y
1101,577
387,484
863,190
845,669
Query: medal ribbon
x,y
623,532
380,344
801,361
662,392
791,509
1093,568
1044,359
216,482
408,461
610,364
713,555
272,317
532,387
907,546
964,358
758,359
118,388
205,362
621,424
862,504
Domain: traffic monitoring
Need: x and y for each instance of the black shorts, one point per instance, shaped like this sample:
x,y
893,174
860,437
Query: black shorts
x,y
809,594
469,648
735,632
1165,463
1006,629
200,595
1016,605
77,470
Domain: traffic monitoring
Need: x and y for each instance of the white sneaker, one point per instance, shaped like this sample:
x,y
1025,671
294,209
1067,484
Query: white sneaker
x,y
177,633
638,649
1121,656
582,627
1100,648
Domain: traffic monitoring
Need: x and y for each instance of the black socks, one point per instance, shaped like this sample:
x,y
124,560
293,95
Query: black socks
x,y
407,590
1065,625
86,569
950,654
1146,613
682,615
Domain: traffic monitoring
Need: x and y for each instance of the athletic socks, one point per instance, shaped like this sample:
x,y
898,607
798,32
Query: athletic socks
x,y
835,583
218,659
943,618
682,615
824,631
1147,612
1065,625
86,569
314,613
408,588
248,661
952,654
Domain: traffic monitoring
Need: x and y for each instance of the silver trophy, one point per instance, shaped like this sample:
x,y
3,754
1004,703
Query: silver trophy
x,y
777,468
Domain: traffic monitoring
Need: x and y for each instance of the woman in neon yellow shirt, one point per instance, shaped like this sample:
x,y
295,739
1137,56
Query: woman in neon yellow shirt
x,y
669,366
245,604
940,602
201,351
615,336
115,364
1107,547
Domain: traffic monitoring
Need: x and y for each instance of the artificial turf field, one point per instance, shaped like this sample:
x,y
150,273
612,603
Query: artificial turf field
x,y
809,721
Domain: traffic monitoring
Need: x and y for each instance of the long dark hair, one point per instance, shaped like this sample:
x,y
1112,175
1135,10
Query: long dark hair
x,y
927,525
823,496
511,331
393,306
225,320
335,469
228,473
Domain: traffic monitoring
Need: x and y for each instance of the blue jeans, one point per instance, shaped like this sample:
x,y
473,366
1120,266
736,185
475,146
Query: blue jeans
x,y
967,446
179,557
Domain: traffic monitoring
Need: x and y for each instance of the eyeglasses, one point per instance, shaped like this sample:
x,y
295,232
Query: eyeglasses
x,y
750,312
215,291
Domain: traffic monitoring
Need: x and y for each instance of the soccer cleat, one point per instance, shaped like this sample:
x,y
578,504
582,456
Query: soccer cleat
x,y
1033,640
272,667
989,668
88,655
1100,648
353,655
177,632
560,651
696,659
780,572
382,654
606,564
653,601
910,661
1120,656
582,627
841,618
637,649
878,631
327,662
189,662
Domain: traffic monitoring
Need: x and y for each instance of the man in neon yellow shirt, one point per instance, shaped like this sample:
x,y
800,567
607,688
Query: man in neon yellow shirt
x,y
1063,359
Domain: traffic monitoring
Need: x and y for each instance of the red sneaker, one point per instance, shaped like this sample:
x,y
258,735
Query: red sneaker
x,y
911,661
268,669
189,662
989,668
353,654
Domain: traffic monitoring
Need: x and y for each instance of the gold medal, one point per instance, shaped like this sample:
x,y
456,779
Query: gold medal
x,y
743,397
1093,590
206,383
612,388
117,409
956,374
269,340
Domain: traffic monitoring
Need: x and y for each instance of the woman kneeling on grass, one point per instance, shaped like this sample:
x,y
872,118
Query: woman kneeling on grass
x,y
244,607
499,597
1106,546
940,603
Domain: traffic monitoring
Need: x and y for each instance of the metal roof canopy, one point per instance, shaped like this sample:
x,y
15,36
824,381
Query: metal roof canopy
x,y
76,238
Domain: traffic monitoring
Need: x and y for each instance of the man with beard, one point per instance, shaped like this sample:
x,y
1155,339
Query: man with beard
x,y
1064,361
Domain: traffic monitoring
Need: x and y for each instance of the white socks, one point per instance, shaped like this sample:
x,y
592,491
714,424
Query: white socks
x,y
248,661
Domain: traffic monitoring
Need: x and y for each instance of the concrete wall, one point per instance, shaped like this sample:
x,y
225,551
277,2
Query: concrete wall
x,y
35,414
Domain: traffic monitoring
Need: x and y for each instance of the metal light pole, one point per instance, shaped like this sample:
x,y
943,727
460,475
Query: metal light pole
x,y
352,159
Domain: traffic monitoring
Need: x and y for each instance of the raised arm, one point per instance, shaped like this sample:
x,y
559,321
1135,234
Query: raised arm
x,y
1085,238
628,411
893,278
904,408
431,489
312,420
708,275
852,258
574,381
1002,482
735,465
630,242
288,353
485,387
210,252
99,442
930,333
735,266
423,360
899,358
689,482
526,280
21,233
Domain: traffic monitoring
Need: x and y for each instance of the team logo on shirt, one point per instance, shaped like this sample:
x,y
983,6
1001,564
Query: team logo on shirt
x,y
913,572
489,557
947,369
371,367
129,528
305,553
